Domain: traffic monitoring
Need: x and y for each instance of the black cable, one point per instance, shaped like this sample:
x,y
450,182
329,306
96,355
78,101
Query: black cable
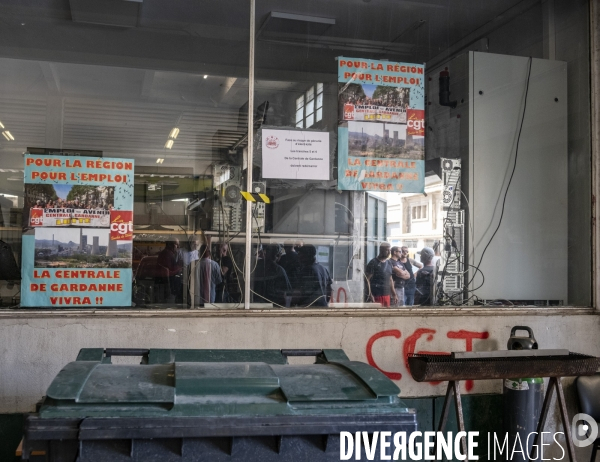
x,y
509,181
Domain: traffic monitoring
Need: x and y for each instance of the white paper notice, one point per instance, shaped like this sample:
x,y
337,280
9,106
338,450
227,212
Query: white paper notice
x,y
293,154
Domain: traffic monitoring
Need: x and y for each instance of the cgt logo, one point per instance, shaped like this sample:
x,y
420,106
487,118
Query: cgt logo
x,y
121,225
415,122
36,217
272,142
348,111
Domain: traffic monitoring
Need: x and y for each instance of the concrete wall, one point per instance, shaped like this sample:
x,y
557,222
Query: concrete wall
x,y
34,348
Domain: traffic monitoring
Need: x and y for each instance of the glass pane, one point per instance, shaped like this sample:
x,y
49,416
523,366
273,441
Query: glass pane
x,y
381,129
299,102
320,100
76,92
319,115
310,120
299,115
310,107
310,94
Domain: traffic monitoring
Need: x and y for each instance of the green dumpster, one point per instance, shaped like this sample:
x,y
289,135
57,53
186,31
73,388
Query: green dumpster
x,y
213,405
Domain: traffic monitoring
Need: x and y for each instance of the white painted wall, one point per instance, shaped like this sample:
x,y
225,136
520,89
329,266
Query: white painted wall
x,y
34,348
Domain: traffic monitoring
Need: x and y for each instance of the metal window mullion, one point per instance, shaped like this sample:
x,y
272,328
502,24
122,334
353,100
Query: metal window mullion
x,y
248,256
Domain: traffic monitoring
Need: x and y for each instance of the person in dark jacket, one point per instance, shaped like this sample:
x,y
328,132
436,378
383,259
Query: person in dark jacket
x,y
290,262
425,278
271,284
314,281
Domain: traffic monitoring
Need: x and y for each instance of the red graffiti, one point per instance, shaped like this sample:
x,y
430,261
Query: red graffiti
x,y
410,343
386,333
342,290
468,336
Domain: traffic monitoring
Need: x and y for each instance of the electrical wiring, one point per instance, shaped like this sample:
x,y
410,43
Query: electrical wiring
x,y
260,245
225,232
226,240
354,256
470,221
236,274
478,287
446,238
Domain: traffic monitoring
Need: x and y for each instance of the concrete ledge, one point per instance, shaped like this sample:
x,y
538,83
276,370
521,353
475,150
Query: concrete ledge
x,y
298,313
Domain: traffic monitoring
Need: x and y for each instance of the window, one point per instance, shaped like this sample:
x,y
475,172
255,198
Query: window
x,y
178,106
309,109
419,212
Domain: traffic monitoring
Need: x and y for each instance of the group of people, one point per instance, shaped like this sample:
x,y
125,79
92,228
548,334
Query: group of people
x,y
69,204
206,280
291,276
284,277
395,99
395,279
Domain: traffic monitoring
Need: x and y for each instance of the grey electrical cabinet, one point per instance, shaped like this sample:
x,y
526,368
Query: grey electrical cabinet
x,y
527,259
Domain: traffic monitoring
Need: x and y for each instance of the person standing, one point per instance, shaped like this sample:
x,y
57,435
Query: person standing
x,y
191,255
226,265
271,284
379,277
207,276
410,284
425,278
399,274
170,259
314,281
190,259
290,261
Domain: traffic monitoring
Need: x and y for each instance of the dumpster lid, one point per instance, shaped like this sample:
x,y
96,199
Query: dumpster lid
x,y
336,381
92,382
171,355
98,388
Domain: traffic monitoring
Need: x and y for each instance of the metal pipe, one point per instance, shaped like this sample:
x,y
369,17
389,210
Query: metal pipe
x,y
249,157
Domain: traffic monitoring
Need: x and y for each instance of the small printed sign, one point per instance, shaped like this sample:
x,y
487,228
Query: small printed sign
x,y
295,154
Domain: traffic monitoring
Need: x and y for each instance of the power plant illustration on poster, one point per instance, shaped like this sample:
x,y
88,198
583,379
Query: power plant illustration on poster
x,y
78,234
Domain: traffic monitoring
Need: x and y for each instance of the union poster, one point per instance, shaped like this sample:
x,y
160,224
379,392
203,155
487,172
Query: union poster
x,y
78,232
381,126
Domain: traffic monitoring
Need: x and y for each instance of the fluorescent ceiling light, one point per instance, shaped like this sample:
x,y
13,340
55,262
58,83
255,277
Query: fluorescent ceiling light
x,y
159,160
174,133
11,195
179,200
206,76
169,144
1,126
8,136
